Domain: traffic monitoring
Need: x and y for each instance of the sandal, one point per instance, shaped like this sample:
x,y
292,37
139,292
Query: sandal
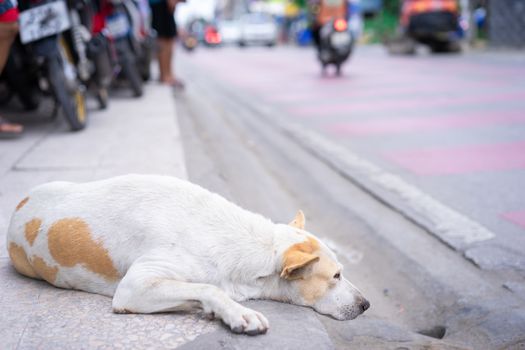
x,y
174,83
10,130
178,84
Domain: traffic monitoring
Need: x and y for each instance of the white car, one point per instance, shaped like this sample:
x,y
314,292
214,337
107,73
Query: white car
x,y
257,29
230,31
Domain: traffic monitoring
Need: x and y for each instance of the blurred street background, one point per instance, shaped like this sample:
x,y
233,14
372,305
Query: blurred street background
x,y
407,157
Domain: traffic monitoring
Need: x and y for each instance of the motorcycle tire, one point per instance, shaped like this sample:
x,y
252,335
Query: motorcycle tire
x,y
5,94
145,71
444,47
73,103
131,73
25,90
22,85
338,70
29,97
145,62
103,98
129,68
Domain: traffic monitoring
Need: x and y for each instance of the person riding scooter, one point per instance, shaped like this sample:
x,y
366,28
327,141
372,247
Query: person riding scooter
x,y
324,11
330,32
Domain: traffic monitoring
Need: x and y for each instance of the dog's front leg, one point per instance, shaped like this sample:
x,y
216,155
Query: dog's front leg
x,y
147,288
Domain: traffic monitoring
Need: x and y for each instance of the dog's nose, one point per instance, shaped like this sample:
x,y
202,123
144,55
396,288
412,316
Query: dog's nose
x,y
364,305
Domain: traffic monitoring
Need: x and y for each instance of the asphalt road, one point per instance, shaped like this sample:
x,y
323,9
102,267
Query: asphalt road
x,y
263,128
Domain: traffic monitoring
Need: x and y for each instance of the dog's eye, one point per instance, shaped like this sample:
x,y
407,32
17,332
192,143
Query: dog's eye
x,y
337,276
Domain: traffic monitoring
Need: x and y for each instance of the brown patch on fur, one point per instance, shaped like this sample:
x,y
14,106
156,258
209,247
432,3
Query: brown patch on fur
x,y
317,283
70,243
31,230
45,271
311,245
20,262
21,204
298,256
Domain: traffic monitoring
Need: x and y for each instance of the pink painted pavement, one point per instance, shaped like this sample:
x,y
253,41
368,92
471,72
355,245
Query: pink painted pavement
x,y
517,217
406,104
308,94
422,124
462,159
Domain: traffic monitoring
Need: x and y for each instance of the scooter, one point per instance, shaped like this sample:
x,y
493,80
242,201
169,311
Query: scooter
x,y
112,23
335,44
189,42
41,61
435,23
90,52
189,39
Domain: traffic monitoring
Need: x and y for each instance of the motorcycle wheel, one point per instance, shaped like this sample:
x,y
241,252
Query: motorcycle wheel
x,y
5,94
72,101
129,68
22,85
338,70
132,75
145,71
145,64
29,98
103,98
444,47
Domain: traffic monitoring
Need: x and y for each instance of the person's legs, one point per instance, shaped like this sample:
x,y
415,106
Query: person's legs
x,y
164,23
160,22
8,32
170,58
176,82
164,56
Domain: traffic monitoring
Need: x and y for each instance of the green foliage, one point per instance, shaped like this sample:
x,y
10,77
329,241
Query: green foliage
x,y
391,6
383,25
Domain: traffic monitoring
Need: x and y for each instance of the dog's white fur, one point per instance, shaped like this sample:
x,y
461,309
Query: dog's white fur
x,y
176,245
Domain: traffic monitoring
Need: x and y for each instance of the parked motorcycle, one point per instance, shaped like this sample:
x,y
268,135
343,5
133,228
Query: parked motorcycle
x,y
112,24
435,23
90,52
189,40
335,44
41,61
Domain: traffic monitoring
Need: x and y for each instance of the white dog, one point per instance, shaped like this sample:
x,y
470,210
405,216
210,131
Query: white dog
x,y
157,243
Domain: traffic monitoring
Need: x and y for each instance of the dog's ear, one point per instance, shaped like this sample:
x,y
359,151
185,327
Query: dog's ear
x,y
296,264
299,220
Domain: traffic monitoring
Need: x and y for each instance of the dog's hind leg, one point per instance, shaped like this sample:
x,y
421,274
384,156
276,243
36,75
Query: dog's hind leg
x,y
148,288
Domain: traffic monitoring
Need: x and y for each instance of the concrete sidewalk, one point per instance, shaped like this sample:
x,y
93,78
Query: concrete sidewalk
x,y
131,136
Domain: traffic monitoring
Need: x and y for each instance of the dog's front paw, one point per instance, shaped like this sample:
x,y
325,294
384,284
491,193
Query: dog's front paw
x,y
244,320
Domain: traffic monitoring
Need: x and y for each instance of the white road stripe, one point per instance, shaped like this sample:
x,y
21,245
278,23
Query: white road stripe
x,y
450,225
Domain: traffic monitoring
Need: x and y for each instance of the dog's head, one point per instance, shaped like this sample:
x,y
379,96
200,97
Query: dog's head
x,y
315,277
